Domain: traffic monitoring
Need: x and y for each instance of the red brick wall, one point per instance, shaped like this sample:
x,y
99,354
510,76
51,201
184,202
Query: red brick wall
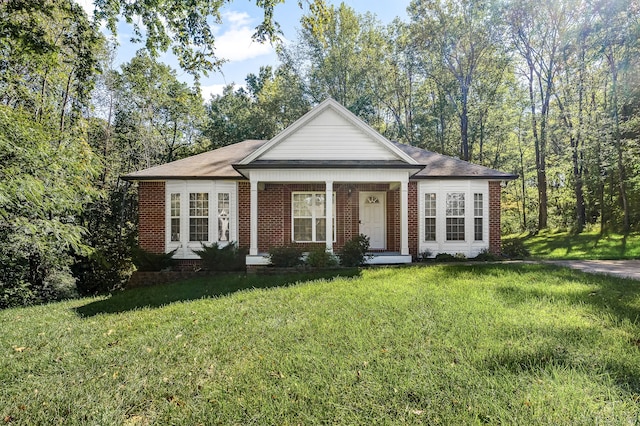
x,y
413,218
274,213
151,220
244,214
494,217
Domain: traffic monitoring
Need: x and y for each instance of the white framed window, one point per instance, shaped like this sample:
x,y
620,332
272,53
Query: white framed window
x,y
175,217
198,216
478,214
223,216
430,216
309,216
455,209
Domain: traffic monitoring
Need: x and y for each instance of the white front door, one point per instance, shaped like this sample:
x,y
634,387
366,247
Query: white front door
x,y
372,218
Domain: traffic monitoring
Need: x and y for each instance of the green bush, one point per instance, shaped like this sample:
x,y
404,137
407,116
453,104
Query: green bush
x,y
354,251
445,257
286,256
514,248
321,258
424,256
222,258
152,262
486,256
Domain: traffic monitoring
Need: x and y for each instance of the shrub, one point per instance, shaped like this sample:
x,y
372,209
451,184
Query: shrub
x,y
152,262
222,258
460,257
424,256
321,258
445,257
354,251
285,256
514,248
486,256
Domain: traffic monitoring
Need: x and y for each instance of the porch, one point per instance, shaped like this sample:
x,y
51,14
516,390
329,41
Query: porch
x,y
373,258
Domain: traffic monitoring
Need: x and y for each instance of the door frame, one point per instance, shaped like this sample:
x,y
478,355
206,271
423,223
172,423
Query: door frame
x,y
382,195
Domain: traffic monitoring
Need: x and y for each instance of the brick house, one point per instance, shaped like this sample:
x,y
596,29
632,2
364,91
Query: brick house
x,y
328,174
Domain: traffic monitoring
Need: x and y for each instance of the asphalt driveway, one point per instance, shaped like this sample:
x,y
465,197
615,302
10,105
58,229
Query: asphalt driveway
x,y
618,268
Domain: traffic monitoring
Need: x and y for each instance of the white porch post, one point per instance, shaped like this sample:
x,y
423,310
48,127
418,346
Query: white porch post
x,y
253,245
404,217
329,214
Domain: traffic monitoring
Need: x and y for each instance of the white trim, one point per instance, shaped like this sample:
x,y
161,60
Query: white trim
x,y
323,175
212,188
344,112
330,203
327,204
469,247
253,219
388,259
404,218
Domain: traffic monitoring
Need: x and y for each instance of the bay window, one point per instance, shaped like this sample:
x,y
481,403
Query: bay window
x,y
455,216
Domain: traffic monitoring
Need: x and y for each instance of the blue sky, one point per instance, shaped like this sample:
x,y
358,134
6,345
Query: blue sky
x,y
233,37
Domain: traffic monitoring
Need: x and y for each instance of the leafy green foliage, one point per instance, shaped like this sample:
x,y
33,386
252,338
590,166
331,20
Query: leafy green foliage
x,y
445,257
486,256
218,257
354,251
152,262
321,258
43,190
286,256
514,248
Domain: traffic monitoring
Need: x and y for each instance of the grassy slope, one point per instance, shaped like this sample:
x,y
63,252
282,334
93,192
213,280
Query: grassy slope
x,y
588,245
446,344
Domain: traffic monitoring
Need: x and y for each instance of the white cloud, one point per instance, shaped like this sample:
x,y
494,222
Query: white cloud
x,y
88,7
215,89
235,43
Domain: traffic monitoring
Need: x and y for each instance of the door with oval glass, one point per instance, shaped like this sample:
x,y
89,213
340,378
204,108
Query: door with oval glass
x,y
372,218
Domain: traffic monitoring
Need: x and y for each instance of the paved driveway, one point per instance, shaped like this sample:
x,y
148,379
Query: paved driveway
x,y
619,268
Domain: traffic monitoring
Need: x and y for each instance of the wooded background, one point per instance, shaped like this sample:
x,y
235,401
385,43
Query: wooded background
x,y
549,90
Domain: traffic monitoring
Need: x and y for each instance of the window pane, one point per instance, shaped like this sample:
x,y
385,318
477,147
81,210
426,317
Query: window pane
x,y
477,205
430,229
430,205
223,217
302,230
455,229
477,228
175,205
198,229
175,229
198,204
321,229
455,204
302,205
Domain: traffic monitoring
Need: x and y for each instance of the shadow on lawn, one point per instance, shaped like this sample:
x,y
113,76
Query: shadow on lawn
x,y
610,297
199,288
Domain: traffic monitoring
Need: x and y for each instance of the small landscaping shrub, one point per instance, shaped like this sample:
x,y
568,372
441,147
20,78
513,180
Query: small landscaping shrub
x,y
460,257
286,256
514,248
424,255
321,258
354,251
445,257
222,258
486,256
152,262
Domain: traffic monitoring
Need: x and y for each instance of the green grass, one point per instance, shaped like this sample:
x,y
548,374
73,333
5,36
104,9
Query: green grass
x,y
587,245
444,344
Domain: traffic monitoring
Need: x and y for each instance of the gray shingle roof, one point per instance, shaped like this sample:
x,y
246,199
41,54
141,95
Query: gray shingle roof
x,y
219,164
445,167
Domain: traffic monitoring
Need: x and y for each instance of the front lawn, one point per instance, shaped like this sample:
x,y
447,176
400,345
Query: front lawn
x,y
587,245
444,344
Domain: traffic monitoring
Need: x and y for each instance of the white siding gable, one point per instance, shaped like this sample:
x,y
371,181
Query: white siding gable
x,y
329,136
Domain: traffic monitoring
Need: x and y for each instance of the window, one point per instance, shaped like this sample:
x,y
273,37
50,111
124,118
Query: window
x,y
223,216
175,217
430,217
455,216
198,216
309,216
477,217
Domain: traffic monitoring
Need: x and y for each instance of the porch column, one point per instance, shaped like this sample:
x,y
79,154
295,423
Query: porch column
x,y
253,217
404,217
329,214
